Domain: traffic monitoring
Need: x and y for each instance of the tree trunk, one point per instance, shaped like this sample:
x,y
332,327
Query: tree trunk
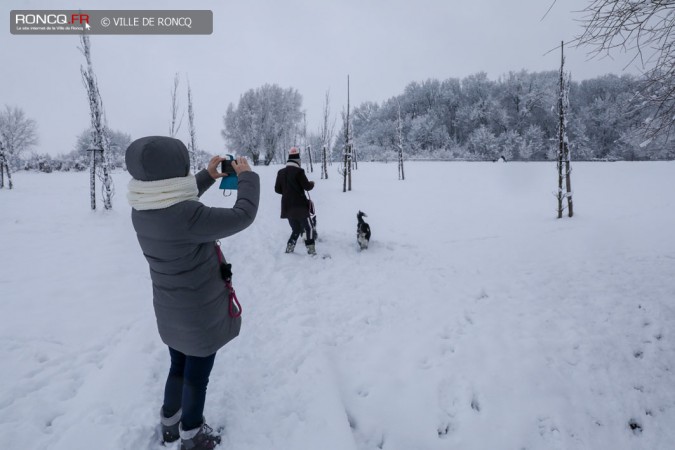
x,y
309,152
561,134
401,174
349,168
107,187
348,147
92,178
324,168
344,172
9,176
568,180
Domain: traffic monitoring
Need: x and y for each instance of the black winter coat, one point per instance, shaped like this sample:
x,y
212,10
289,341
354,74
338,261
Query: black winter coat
x,y
291,184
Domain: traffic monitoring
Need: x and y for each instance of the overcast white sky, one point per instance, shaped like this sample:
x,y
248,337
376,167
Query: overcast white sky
x,y
306,44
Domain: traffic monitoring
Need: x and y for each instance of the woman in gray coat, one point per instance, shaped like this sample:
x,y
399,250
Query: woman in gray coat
x,y
178,234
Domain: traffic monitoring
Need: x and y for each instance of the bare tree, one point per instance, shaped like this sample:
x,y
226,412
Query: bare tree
x,y
326,132
308,148
347,163
563,155
99,137
192,143
647,29
175,107
17,133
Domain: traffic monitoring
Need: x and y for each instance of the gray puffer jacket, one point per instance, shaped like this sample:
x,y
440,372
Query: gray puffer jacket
x,y
190,299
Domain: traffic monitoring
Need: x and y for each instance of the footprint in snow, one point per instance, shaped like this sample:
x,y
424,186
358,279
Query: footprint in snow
x,y
444,430
475,405
635,426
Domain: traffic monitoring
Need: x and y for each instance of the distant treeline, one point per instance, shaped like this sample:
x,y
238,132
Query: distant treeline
x,y
472,118
515,117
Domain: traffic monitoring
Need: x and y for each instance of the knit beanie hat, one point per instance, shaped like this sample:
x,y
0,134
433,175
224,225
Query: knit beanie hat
x,y
153,158
294,154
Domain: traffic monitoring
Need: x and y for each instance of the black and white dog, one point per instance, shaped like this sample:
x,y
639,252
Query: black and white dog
x,y
362,231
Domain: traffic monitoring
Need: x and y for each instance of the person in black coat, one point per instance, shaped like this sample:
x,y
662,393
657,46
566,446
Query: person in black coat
x,y
291,184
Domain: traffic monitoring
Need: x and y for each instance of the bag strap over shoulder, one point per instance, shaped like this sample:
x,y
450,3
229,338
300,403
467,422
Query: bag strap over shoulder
x,y
234,306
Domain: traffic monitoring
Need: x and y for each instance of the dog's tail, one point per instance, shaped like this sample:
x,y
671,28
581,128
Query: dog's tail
x,y
360,216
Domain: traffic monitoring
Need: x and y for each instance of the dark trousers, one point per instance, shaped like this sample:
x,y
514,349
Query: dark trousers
x,y
298,226
186,387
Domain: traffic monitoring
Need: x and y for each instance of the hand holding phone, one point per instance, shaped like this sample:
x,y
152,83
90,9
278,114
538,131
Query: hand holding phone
x,y
230,180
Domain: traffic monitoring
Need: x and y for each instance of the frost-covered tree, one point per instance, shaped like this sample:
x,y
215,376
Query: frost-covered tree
x,y
346,170
99,137
563,157
192,141
326,132
645,28
482,144
309,161
264,120
533,144
602,111
509,144
399,145
176,122
17,134
118,143
526,98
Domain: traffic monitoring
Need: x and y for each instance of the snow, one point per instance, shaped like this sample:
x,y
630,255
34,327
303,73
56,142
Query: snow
x,y
475,320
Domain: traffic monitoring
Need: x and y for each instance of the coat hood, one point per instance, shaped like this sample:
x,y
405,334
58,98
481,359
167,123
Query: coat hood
x,y
155,158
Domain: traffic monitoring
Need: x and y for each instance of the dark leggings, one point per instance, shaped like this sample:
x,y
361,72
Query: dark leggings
x,y
298,226
186,387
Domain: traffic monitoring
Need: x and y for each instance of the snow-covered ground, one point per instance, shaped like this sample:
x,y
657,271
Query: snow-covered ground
x,y
475,320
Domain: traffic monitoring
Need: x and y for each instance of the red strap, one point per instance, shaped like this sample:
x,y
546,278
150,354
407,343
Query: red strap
x,y
234,306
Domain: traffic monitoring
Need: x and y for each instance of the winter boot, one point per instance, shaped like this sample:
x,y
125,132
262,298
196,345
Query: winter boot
x,y
202,438
311,250
290,247
170,432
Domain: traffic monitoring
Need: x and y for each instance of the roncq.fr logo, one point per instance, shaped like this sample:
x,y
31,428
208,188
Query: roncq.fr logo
x,y
51,19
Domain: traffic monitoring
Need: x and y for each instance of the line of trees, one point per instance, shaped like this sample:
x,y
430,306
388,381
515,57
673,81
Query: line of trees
x,y
473,118
645,29
476,118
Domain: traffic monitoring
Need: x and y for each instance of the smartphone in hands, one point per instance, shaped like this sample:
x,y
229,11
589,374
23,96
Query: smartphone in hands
x,y
230,181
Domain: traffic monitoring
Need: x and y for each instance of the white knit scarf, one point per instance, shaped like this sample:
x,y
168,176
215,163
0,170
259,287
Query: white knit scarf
x,y
160,194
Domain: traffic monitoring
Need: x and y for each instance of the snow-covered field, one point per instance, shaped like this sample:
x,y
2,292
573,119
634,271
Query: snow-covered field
x,y
476,320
